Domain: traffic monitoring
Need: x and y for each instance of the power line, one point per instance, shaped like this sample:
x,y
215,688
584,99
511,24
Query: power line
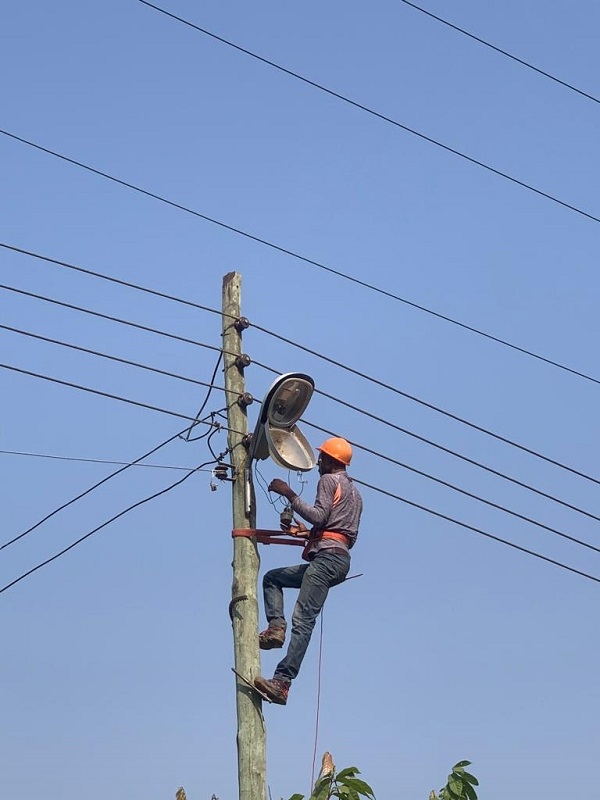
x,y
373,113
100,393
99,354
476,530
88,491
477,497
456,418
387,386
285,251
465,492
182,416
281,338
325,394
103,525
501,51
416,306
312,425
463,458
53,456
109,317
331,397
95,391
110,278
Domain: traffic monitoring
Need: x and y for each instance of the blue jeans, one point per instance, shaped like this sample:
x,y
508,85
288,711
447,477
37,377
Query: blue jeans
x,y
314,581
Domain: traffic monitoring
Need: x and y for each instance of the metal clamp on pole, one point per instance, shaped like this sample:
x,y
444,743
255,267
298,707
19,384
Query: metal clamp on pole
x,y
268,537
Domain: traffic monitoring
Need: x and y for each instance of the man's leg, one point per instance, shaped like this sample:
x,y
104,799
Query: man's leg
x,y
274,582
326,570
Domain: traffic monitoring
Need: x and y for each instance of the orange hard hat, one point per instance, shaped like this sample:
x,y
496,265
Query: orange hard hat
x,y
337,448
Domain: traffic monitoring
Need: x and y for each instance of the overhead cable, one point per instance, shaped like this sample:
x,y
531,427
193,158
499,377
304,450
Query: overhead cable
x,y
87,350
463,458
109,317
465,492
479,428
110,278
342,402
103,525
476,530
477,497
81,460
95,391
88,491
501,51
288,252
100,393
373,113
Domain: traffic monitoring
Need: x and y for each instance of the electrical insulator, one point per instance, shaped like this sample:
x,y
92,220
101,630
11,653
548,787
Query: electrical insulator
x,y
241,324
221,472
245,400
242,361
286,517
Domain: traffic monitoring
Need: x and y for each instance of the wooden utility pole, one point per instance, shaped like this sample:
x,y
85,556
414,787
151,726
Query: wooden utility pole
x,y
251,736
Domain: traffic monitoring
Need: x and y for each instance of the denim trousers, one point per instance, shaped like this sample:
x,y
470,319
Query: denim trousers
x,y
314,580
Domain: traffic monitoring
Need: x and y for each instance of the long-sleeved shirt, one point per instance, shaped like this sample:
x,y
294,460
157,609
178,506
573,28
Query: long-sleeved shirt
x,y
338,508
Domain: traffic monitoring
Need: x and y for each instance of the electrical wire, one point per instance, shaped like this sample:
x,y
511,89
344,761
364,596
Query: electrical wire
x,y
479,531
87,350
264,366
372,112
292,254
213,431
186,438
467,460
480,499
103,525
95,391
110,278
502,52
88,491
91,460
335,399
109,317
377,382
432,407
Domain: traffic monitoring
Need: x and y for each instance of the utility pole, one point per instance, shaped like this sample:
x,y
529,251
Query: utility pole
x,y
251,735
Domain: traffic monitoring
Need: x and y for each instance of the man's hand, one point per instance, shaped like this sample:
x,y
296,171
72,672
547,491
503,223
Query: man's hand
x,y
299,529
281,487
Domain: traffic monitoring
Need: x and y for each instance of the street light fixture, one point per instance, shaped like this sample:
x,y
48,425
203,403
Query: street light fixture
x,y
276,433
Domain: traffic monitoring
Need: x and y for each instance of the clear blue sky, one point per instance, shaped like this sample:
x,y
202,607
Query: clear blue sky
x,y
116,657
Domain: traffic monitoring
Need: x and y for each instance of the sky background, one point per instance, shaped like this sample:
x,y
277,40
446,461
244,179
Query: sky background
x,y
116,656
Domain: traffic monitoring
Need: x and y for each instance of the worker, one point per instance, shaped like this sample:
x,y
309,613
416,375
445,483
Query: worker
x,y
335,518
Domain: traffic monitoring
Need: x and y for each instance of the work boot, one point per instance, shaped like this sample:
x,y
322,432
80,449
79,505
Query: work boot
x,y
271,638
275,689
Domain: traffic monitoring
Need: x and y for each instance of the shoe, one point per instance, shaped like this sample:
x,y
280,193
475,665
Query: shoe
x,y
271,638
276,690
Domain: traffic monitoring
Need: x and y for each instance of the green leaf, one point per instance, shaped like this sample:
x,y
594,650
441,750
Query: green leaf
x,y
454,787
461,764
297,797
470,791
322,788
471,778
349,772
360,786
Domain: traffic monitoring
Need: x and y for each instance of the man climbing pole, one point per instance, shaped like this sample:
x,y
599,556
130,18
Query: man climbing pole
x,y
335,519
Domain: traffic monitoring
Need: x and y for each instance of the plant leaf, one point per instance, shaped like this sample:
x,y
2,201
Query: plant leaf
x,y
471,778
470,791
349,772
